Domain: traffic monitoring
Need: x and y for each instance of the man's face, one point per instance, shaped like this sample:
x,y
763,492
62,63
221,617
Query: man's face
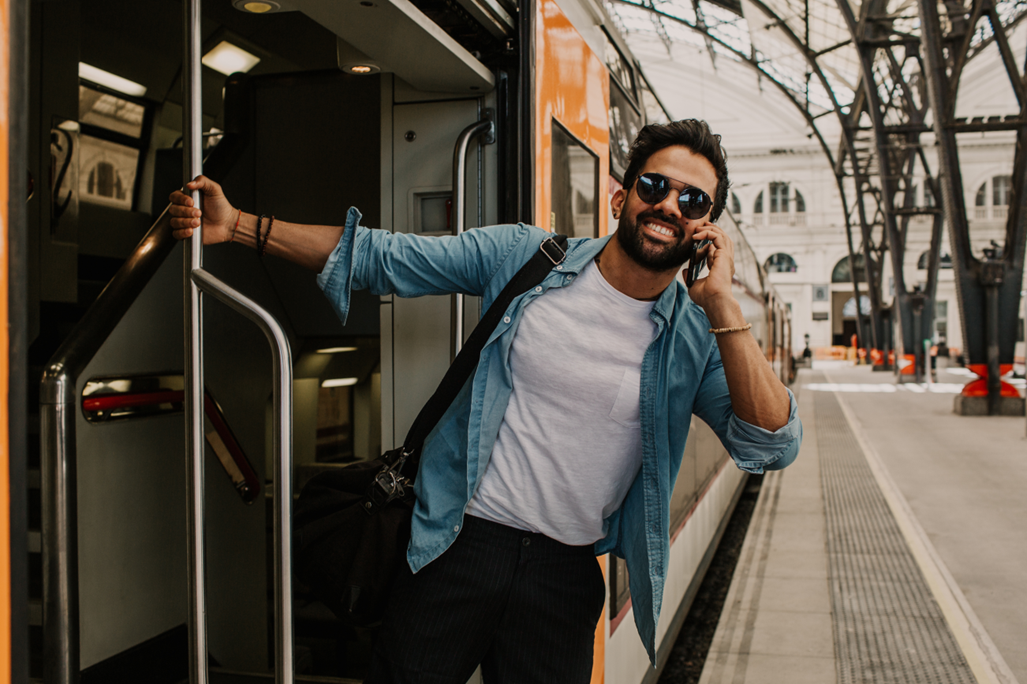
x,y
657,237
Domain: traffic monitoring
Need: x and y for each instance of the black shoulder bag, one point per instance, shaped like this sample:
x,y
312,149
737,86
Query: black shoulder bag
x,y
351,525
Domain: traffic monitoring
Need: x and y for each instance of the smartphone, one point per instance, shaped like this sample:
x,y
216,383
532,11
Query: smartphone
x,y
696,263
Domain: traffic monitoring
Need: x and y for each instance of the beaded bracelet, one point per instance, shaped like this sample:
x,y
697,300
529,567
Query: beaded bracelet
x,y
740,328
260,223
267,235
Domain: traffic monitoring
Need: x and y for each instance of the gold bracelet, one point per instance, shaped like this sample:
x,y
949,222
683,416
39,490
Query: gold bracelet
x,y
740,328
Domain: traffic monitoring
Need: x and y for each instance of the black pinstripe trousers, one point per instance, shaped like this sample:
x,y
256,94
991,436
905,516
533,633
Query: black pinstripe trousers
x,y
522,605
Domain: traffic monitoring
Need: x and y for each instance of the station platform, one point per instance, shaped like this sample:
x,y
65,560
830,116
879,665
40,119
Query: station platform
x,y
892,550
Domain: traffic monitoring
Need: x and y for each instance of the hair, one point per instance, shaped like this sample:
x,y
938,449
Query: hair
x,y
694,134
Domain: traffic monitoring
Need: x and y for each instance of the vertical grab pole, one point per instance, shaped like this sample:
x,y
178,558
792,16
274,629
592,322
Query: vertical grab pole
x,y
485,126
192,167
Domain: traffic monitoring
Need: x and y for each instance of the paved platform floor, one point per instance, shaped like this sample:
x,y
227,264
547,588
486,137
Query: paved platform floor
x,y
954,488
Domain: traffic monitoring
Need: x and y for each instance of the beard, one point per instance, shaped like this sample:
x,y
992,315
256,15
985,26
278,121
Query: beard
x,y
649,254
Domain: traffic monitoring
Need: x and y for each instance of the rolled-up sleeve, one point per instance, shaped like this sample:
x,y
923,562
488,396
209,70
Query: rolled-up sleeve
x,y
753,448
413,265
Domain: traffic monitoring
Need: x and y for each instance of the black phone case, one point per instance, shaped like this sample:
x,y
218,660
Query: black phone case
x,y
695,265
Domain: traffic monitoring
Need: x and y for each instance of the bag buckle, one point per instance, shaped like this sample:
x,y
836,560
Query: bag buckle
x,y
551,249
388,484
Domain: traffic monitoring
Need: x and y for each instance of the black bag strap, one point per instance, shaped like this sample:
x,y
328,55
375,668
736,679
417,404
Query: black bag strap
x,y
551,253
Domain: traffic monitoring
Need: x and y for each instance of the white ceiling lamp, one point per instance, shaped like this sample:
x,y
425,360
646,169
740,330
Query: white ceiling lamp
x,y
229,59
339,382
105,78
254,7
353,61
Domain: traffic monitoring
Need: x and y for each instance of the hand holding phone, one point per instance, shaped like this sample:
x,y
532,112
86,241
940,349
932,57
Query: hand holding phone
x,y
696,263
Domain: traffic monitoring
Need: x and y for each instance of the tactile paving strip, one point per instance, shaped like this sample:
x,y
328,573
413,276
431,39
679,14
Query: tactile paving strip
x,y
888,627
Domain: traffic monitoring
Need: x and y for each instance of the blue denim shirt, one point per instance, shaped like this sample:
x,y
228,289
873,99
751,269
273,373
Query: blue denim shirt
x,y
682,374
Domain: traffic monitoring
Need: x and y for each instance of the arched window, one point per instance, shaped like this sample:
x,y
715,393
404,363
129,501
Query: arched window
x,y
780,263
944,262
800,203
982,195
757,207
1000,188
842,273
779,198
736,205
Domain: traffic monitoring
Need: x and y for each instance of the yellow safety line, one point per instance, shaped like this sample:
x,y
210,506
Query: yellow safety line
x,y
987,664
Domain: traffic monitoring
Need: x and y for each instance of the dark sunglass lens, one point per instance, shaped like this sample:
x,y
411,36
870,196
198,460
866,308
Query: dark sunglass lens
x,y
652,187
694,203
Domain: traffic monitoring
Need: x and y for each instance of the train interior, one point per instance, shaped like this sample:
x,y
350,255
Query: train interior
x,y
356,103
297,137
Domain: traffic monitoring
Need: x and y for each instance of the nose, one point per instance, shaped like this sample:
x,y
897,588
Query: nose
x,y
669,204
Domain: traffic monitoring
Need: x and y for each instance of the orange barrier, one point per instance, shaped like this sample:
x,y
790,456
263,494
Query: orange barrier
x,y
979,387
910,366
830,353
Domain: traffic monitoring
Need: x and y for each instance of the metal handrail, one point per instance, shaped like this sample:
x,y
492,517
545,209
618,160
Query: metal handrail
x,y
57,399
485,127
195,281
281,431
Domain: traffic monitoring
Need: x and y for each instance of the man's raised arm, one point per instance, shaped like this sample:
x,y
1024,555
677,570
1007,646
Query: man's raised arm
x,y
309,246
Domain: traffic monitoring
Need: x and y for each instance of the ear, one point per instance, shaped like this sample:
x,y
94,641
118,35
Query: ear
x,y
617,202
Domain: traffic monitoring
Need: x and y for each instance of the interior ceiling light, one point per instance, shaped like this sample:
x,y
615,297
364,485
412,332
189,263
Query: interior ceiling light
x,y
339,382
335,350
229,59
257,6
361,69
109,80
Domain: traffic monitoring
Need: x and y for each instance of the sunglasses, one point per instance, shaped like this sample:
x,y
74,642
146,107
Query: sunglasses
x,y
653,188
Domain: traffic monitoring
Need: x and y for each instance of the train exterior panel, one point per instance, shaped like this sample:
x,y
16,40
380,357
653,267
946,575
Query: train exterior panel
x,y
303,136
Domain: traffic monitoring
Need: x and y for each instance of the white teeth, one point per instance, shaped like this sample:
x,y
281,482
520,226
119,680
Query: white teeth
x,y
660,229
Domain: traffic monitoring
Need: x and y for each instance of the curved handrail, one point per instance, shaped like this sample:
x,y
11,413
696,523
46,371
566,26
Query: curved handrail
x,y
57,399
486,127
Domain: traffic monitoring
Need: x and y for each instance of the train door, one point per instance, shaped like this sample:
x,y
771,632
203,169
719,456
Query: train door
x,y
373,126
419,336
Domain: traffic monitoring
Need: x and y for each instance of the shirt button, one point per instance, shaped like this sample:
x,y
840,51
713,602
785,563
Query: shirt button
x,y
538,289
506,319
570,277
559,268
526,541
456,528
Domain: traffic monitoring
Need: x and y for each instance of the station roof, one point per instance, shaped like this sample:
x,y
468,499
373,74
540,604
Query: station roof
x,y
803,49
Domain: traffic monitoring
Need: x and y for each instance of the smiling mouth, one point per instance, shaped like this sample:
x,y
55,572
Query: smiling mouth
x,y
660,230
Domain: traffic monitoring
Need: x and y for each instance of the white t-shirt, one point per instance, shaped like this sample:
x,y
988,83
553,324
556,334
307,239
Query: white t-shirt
x,y
570,443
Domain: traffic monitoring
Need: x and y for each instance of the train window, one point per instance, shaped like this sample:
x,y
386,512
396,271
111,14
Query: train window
x,y
625,123
112,139
619,67
575,186
655,112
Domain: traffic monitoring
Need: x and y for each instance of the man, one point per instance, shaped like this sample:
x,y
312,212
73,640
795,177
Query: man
x,y
568,440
